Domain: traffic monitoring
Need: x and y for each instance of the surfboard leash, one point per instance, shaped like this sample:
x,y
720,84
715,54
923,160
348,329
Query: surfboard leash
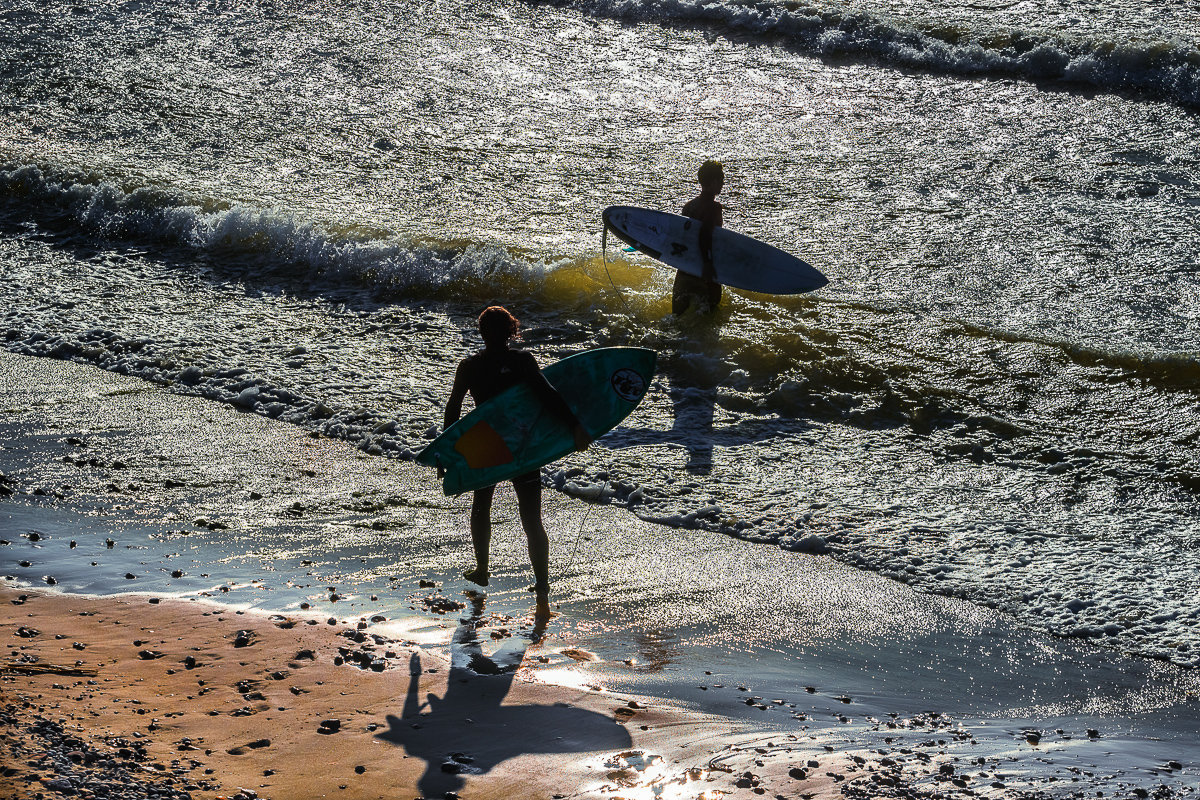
x,y
604,260
579,533
578,536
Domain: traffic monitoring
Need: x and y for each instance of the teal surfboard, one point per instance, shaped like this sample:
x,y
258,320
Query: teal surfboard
x,y
513,433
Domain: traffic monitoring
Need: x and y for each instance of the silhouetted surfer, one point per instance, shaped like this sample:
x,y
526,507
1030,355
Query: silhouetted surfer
x,y
485,375
703,292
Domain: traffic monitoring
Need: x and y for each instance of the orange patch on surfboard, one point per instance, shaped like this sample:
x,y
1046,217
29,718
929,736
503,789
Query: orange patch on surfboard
x,y
482,447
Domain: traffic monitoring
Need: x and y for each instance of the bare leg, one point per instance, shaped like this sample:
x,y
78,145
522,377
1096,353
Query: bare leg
x,y
481,534
529,500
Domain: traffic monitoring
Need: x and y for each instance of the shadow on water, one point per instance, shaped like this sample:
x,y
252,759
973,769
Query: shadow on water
x,y
694,389
695,375
468,730
694,408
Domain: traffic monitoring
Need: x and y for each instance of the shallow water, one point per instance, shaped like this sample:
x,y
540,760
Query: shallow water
x,y
120,486
300,211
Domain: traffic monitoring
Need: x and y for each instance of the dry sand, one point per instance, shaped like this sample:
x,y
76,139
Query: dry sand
x,y
172,697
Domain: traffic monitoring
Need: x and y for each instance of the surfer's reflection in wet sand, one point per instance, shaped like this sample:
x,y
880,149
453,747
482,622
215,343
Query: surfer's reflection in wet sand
x,y
467,731
695,374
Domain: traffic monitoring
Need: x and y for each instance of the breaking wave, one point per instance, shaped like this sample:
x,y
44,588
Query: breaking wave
x,y
267,237
1167,69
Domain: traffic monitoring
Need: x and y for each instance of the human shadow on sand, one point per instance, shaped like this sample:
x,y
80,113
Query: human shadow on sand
x,y
468,731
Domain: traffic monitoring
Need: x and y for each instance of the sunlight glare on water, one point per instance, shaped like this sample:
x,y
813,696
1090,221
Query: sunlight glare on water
x,y
994,398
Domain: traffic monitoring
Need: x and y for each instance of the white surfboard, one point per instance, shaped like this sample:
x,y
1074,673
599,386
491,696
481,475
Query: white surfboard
x,y
739,261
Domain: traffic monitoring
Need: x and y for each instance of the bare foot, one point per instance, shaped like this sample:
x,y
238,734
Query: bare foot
x,y
541,615
477,576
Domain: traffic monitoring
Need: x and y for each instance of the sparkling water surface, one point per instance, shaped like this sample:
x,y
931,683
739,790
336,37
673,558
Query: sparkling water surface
x,y
299,211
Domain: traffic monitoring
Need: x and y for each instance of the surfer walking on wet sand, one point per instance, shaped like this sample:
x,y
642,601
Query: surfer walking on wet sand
x,y
485,375
703,292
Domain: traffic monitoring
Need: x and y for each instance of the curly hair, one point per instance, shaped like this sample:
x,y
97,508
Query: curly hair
x,y
497,325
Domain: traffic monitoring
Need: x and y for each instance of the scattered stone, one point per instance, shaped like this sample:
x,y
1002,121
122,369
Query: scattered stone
x,y
441,605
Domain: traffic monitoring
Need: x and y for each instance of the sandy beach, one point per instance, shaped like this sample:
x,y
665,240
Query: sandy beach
x,y
930,531
299,630
135,697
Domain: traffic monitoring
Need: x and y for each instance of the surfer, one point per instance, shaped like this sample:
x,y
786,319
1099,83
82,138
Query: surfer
x,y
485,375
704,292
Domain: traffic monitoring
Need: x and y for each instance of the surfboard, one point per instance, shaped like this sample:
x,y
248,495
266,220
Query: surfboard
x,y
739,260
513,433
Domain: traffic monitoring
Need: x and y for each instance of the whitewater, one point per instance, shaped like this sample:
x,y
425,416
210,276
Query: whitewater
x,y
299,213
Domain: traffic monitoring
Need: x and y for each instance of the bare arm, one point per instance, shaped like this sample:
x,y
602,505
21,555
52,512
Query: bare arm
x,y
557,406
457,393
709,273
708,212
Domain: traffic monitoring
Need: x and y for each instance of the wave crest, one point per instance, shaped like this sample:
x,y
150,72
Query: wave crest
x,y
1168,69
270,237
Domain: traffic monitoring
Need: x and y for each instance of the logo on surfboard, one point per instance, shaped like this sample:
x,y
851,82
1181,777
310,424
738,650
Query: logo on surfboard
x,y
628,384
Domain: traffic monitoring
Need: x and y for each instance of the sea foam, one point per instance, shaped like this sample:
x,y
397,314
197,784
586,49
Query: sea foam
x,y
271,238
1168,69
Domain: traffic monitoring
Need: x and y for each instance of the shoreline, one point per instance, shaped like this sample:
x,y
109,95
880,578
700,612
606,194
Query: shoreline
x,y
743,654
138,696
280,707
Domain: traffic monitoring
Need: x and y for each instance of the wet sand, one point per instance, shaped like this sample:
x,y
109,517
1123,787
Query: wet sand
x,y
744,663
102,696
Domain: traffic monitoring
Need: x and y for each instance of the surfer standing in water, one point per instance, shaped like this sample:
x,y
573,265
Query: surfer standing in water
x,y
704,292
485,375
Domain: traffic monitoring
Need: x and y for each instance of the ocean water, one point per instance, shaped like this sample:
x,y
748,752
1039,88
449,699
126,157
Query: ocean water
x,y
299,208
